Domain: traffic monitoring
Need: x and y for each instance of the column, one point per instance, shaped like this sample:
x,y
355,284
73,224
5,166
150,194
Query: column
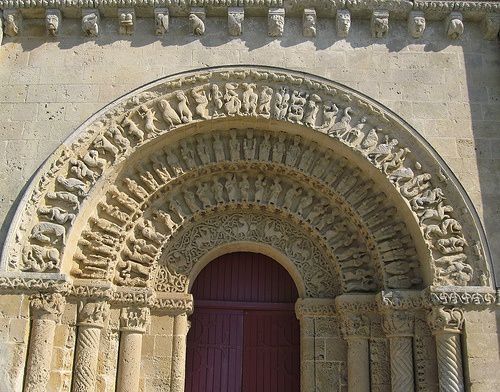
x,y
446,325
46,310
133,323
91,318
398,327
356,330
179,353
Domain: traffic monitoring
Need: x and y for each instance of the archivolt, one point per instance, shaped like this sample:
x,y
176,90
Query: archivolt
x,y
104,192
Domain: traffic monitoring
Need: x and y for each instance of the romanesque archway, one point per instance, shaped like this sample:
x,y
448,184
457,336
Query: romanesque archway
x,y
375,227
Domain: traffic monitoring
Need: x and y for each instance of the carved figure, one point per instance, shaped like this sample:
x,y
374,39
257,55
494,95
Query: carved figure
x,y
169,115
296,106
395,161
188,155
342,128
103,144
309,23
203,193
279,149
218,147
276,22
218,189
166,219
52,21
451,245
290,196
125,269
416,185
191,202
379,24
439,213
203,151
161,21
115,132
370,141
293,152
383,151
244,187
490,27
235,17
429,197
343,23
65,197
49,233
183,107
197,24
454,25
126,21
73,185
265,148
454,270
250,99
311,110
353,137
321,165
233,103
12,20
149,117
231,188
40,259
81,171
304,203
282,96
160,169
416,24
216,97
260,188
106,226
57,215
147,229
122,198
448,226
133,129
113,212
249,145
330,111
135,189
200,97
307,158
175,207
91,159
90,24
265,97
275,192
234,147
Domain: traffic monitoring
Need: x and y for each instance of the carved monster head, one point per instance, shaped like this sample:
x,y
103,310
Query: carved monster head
x,y
52,24
90,24
343,23
417,26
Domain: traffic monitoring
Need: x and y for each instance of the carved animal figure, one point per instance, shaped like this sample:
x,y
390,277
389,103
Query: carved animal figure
x,y
439,213
276,25
103,144
126,21
183,107
122,142
91,159
448,226
429,197
73,185
383,151
133,129
200,97
416,185
330,111
451,245
40,259
234,21
343,126
90,24
81,171
161,23
455,28
454,270
57,214
197,25
66,197
49,233
309,26
380,26
149,117
169,115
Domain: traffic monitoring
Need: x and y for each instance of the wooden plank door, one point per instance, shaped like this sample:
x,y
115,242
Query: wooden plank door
x,y
214,351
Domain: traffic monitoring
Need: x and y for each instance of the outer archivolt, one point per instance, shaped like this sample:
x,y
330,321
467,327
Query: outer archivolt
x,y
55,211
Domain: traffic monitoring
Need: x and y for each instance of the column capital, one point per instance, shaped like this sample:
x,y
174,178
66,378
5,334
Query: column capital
x,y
314,307
134,319
92,314
355,326
445,320
48,306
398,323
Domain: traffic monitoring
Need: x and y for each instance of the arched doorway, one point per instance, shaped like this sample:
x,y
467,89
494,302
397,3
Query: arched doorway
x,y
244,335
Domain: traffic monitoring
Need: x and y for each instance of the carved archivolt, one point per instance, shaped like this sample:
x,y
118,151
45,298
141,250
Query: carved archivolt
x,y
374,204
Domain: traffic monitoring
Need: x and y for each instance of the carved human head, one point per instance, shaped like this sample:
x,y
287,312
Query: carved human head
x,y
343,23
52,24
416,24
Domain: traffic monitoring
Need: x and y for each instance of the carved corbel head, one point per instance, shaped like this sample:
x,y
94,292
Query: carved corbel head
x,y
490,26
454,25
53,20
235,17
276,22
162,18
309,22
343,23
197,18
416,24
126,20
90,22
379,24
12,20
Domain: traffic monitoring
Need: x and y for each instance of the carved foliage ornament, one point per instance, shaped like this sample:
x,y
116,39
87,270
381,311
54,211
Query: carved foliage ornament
x,y
72,173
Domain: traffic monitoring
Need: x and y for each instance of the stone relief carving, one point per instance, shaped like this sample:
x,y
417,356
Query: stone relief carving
x,y
276,22
309,22
379,24
343,23
47,305
90,22
12,20
235,17
454,25
416,24
197,21
53,20
162,20
134,319
126,21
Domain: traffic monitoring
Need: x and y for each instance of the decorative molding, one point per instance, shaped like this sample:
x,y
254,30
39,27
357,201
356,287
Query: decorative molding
x,y
400,300
315,307
460,296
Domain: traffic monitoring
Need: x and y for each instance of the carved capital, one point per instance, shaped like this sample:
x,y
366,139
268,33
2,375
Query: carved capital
x,y
445,320
134,319
47,306
398,323
355,326
92,314
314,307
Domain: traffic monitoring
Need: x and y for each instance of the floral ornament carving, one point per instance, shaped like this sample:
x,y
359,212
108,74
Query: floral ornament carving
x,y
445,320
134,319
360,126
47,305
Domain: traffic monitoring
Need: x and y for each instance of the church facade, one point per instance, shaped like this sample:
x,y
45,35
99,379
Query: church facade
x,y
242,195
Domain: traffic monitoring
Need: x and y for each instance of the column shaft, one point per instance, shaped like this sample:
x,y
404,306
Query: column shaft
x,y
179,353
39,355
87,352
358,366
129,367
402,379
449,357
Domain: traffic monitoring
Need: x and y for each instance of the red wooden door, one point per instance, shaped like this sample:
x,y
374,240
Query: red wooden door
x,y
244,336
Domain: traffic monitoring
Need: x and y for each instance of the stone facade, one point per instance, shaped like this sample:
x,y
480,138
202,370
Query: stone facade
x,y
372,193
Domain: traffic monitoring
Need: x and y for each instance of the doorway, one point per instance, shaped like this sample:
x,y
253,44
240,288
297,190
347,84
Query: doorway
x,y
244,335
